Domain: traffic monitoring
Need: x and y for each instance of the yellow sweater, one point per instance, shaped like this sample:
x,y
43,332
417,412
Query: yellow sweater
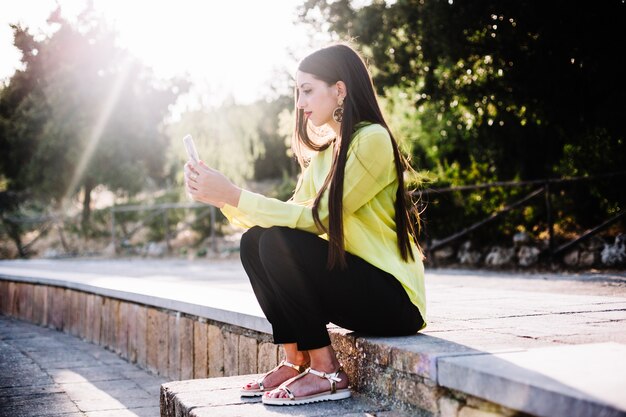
x,y
370,185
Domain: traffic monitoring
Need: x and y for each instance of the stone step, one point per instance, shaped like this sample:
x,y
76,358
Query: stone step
x,y
220,397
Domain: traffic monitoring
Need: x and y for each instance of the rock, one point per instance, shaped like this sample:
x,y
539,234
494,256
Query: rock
x,y
520,238
444,253
468,256
51,253
499,256
156,249
185,238
109,250
595,244
571,258
587,258
614,254
528,255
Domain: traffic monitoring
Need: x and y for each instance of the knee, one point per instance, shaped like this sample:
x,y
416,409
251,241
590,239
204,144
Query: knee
x,y
249,243
273,243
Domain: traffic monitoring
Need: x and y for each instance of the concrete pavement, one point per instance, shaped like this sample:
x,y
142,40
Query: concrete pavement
x,y
44,372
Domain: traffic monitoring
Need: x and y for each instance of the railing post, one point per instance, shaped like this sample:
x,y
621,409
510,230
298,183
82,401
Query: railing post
x,y
166,227
421,224
549,219
213,242
113,230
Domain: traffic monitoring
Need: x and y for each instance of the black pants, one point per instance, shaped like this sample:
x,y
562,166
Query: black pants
x,y
299,295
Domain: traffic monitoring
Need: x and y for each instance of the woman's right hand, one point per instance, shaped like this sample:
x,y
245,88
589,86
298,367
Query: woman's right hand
x,y
207,185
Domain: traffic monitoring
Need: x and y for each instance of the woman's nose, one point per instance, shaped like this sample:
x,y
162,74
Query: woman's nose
x,y
300,103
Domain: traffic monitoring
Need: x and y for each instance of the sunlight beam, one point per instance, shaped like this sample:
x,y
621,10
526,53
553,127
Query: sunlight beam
x,y
97,130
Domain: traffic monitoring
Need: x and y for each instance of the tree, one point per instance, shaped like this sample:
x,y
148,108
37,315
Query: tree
x,y
83,112
498,90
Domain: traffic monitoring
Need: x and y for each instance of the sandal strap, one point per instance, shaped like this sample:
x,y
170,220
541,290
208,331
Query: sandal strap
x,y
298,368
288,391
332,378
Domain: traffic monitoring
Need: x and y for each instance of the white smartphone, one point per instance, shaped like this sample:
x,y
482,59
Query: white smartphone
x,y
191,149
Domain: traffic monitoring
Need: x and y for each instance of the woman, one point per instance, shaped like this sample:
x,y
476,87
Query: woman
x,y
343,248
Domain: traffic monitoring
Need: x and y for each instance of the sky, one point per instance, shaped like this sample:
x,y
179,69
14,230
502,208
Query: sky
x,y
227,48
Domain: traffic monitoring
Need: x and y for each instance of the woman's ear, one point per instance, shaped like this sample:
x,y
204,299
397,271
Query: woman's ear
x,y
341,89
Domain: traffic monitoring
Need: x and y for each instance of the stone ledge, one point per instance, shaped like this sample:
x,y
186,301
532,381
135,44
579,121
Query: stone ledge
x,y
572,381
230,307
220,397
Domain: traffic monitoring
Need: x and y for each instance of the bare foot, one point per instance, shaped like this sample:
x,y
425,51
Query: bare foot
x,y
274,379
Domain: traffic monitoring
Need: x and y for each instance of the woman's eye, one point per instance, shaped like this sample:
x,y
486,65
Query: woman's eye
x,y
306,91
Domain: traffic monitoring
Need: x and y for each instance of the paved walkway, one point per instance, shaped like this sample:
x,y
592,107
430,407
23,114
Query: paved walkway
x,y
44,372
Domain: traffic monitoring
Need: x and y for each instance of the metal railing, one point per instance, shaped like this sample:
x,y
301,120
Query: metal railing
x,y
163,209
546,187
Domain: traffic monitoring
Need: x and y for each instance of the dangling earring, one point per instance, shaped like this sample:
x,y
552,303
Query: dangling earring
x,y
338,112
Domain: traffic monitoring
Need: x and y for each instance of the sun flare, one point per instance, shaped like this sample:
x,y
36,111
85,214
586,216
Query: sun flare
x,y
226,48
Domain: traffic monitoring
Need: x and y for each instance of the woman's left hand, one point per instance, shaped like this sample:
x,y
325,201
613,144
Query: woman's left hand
x,y
207,185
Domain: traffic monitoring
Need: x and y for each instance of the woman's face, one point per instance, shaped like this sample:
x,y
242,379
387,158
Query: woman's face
x,y
317,99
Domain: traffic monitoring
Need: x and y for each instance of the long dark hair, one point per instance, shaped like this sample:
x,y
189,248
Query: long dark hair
x,y
334,63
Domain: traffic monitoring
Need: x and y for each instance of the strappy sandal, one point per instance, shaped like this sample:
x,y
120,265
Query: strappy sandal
x,y
255,392
331,395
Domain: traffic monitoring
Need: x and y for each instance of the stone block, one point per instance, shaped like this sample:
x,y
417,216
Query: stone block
x,y
57,308
25,301
216,351
67,309
220,397
416,355
5,298
200,349
186,347
544,381
157,341
415,392
141,336
151,339
111,318
105,328
344,343
474,412
448,407
231,353
247,361
4,289
267,359
173,370
371,352
131,322
96,324
82,319
115,324
75,313
89,312
39,304
373,380
123,331
12,299
163,346
15,296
